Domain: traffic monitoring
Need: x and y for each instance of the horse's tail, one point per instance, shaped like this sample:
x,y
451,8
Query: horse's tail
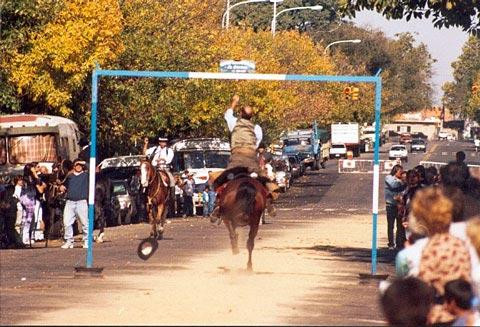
x,y
245,197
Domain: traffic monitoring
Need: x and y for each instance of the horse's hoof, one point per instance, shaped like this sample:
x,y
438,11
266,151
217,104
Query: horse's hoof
x,y
249,268
99,238
235,251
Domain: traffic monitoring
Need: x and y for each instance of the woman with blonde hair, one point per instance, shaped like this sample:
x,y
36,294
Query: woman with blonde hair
x,y
440,256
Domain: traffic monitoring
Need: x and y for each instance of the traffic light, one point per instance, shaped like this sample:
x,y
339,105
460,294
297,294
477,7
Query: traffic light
x,y
347,91
355,93
475,89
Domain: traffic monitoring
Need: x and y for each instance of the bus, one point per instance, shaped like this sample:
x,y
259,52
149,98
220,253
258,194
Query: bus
x,y
200,156
45,139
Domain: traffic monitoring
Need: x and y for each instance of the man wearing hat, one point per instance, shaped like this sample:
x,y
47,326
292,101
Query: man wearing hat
x,y
76,186
161,156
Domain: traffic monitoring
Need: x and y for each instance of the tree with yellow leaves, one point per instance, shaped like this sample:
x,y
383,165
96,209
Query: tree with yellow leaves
x,y
63,53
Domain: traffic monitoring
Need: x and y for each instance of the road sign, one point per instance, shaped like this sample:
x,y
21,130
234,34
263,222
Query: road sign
x,y
237,66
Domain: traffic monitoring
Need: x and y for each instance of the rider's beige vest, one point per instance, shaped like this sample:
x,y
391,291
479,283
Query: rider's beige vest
x,y
243,135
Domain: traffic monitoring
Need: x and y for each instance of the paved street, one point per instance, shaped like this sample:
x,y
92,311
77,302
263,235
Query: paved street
x,y
306,264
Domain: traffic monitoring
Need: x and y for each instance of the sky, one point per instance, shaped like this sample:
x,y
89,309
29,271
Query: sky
x,y
445,45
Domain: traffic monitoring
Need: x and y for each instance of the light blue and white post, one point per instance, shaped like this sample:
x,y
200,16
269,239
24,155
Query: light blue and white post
x,y
376,170
92,166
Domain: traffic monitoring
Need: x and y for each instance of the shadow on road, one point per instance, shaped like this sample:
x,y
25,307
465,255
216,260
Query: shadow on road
x,y
353,254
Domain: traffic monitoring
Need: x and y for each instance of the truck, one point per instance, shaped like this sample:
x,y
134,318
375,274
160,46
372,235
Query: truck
x,y
310,145
45,139
347,134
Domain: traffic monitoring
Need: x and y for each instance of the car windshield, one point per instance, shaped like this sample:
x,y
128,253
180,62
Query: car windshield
x,y
3,151
119,189
418,142
397,148
292,160
297,141
201,159
30,148
338,146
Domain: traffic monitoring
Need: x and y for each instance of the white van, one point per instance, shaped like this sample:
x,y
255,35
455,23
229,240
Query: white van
x,y
26,138
200,156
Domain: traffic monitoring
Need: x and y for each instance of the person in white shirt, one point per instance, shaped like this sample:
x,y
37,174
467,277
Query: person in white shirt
x,y
161,157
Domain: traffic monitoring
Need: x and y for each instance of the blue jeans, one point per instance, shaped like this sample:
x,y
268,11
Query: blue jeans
x,y
72,210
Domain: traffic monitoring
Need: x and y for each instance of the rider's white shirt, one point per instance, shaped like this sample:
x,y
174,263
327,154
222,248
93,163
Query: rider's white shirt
x,y
165,154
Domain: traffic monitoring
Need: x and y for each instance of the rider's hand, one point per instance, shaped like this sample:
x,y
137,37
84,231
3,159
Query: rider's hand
x,y
235,100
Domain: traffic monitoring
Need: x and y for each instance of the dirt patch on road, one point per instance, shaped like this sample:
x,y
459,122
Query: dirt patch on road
x,y
296,280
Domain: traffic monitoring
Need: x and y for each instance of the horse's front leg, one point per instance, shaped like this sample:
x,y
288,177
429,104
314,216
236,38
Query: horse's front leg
x,y
151,219
250,244
160,219
233,235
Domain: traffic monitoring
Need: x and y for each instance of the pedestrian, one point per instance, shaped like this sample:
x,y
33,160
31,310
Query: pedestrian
x,y
456,174
460,301
188,189
212,196
413,185
205,201
76,186
178,196
18,182
32,185
431,176
407,302
393,188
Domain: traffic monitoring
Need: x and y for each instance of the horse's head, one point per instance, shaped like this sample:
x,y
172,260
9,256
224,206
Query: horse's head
x,y
146,170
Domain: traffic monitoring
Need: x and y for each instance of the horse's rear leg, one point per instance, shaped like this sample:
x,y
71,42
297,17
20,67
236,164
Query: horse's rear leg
x,y
250,244
233,236
151,220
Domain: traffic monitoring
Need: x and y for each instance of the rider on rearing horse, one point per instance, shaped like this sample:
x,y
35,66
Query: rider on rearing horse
x,y
245,138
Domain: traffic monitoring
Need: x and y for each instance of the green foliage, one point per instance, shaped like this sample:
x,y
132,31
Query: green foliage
x,y
457,94
406,66
445,13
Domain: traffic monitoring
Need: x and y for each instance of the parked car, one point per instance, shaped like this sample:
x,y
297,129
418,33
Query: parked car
x,y
442,135
338,151
282,173
418,145
405,138
296,165
398,151
123,204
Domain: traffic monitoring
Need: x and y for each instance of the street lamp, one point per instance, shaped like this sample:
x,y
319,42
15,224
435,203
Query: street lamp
x,y
275,15
226,14
342,41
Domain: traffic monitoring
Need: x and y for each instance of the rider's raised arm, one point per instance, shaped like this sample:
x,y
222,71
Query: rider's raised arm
x,y
258,133
229,115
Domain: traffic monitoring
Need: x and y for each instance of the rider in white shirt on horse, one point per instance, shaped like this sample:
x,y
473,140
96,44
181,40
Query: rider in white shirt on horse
x,y
161,157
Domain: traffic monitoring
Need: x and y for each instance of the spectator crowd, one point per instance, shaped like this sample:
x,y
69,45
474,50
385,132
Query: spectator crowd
x,y
436,215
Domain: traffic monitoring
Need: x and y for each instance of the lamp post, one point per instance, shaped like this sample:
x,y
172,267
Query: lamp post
x,y
275,15
342,41
226,14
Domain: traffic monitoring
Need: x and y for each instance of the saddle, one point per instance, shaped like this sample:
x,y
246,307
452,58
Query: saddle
x,y
164,177
236,173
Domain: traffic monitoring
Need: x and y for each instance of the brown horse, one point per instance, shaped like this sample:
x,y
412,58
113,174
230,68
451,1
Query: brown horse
x,y
157,195
242,203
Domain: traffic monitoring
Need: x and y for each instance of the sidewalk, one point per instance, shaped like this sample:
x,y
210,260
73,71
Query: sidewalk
x,y
306,273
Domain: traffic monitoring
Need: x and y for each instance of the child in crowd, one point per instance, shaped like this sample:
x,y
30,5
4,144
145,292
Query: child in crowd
x,y
461,302
205,197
